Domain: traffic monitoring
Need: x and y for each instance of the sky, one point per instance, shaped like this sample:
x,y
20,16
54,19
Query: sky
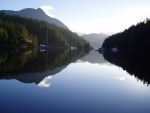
x,y
88,16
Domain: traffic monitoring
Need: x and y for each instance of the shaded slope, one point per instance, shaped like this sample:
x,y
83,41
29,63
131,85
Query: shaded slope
x,y
38,14
95,40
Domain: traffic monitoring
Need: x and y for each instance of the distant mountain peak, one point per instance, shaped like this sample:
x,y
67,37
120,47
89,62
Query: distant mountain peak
x,y
95,39
38,14
26,10
32,11
40,10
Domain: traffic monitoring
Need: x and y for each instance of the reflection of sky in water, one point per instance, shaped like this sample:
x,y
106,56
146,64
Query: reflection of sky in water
x,y
79,88
96,73
44,82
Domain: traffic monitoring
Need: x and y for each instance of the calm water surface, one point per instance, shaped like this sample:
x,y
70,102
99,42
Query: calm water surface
x,y
68,82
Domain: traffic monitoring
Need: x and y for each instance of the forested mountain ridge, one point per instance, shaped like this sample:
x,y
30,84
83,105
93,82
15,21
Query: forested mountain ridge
x,y
135,38
13,33
19,30
38,14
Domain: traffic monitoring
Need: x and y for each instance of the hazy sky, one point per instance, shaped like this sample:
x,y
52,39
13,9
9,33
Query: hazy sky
x,y
88,16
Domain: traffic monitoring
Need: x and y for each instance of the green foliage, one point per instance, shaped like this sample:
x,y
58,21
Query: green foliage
x,y
3,57
34,32
3,34
14,33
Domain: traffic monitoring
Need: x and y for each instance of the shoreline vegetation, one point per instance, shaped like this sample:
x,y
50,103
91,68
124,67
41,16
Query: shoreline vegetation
x,y
18,31
134,39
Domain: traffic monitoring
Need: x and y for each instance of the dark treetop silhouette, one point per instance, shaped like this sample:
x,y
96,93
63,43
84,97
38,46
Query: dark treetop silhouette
x,y
134,46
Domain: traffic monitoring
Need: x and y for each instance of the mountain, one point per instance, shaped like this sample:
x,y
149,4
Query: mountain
x,y
94,39
38,14
16,30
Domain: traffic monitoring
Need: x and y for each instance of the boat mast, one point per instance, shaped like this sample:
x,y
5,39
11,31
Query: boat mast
x,y
47,38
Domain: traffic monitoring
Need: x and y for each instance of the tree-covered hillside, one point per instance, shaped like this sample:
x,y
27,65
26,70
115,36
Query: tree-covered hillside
x,y
13,33
16,30
136,38
38,14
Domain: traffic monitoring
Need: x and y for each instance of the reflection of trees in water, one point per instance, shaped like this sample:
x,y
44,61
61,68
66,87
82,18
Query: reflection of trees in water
x,y
15,59
17,62
136,63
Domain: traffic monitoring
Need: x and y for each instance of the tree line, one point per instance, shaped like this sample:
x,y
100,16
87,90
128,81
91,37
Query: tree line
x,y
135,38
17,30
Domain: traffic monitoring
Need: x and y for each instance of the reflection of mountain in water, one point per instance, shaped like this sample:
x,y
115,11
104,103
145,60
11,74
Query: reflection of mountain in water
x,y
136,63
94,57
33,66
34,78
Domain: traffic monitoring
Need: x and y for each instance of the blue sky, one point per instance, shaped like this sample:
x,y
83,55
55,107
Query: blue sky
x,y
88,16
